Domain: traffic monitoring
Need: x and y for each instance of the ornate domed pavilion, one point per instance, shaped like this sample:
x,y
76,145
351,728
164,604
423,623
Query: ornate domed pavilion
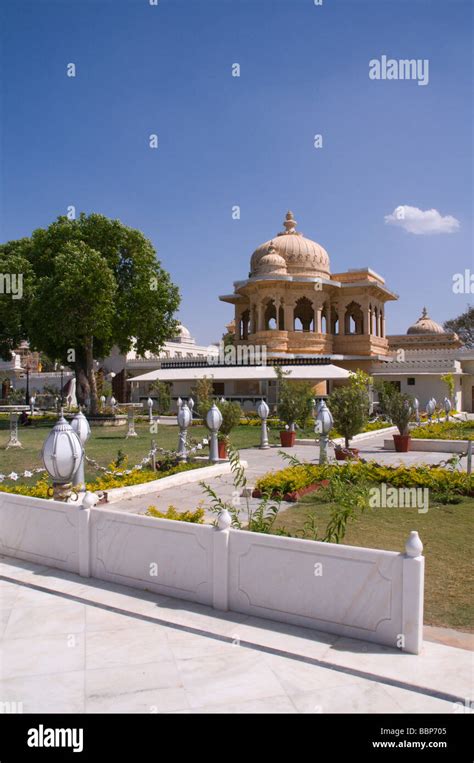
x,y
424,325
291,303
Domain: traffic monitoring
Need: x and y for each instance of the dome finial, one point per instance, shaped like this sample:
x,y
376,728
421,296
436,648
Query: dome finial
x,y
290,222
424,313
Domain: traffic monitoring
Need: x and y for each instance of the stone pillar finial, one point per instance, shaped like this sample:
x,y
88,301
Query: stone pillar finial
x,y
290,223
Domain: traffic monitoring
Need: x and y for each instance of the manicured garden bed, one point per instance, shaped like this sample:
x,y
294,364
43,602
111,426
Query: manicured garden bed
x,y
449,430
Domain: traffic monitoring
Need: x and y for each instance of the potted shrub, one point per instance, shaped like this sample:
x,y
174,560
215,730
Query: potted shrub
x,y
295,402
231,414
400,410
350,405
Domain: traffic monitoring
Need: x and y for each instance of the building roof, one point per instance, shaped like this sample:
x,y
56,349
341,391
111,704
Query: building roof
x,y
252,373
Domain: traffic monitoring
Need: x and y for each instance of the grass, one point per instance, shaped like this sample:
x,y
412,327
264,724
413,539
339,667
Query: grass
x,y
105,442
447,536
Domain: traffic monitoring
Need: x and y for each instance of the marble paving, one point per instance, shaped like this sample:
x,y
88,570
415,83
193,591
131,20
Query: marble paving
x,y
70,644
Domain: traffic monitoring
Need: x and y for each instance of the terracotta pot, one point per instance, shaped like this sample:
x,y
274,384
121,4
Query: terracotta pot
x,y
222,448
344,454
402,442
287,438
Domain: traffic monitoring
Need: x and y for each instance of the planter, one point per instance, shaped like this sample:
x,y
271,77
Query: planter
x,y
222,448
287,438
402,442
345,454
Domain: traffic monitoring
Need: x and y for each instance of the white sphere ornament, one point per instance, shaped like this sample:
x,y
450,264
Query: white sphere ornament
x,y
81,427
62,452
263,410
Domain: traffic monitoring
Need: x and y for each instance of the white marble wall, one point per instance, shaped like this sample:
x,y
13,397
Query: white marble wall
x,y
357,592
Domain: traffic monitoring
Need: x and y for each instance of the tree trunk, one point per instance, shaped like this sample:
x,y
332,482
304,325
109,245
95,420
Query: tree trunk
x,y
346,442
82,382
94,403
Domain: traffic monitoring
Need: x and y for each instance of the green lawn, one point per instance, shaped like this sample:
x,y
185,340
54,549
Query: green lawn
x,y
447,536
105,442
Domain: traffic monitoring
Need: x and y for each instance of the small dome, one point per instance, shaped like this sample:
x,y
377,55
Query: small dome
x,y
302,256
271,263
183,335
424,325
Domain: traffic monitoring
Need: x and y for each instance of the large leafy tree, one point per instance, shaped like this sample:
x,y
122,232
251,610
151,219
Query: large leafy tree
x,y
463,325
93,283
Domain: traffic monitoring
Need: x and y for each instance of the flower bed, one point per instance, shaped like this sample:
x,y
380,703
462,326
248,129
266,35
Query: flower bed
x,y
295,478
106,482
449,430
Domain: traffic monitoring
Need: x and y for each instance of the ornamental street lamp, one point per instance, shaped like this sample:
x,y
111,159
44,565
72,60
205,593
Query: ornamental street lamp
x,y
184,419
113,403
102,403
32,404
149,403
416,406
62,454
324,424
27,392
179,403
430,407
447,407
81,427
191,406
214,422
61,368
263,410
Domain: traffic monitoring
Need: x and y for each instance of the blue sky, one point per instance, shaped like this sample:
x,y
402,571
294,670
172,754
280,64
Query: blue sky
x,y
246,141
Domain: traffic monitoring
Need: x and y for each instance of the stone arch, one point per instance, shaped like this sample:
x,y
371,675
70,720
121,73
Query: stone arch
x,y
304,313
353,319
325,328
334,321
269,315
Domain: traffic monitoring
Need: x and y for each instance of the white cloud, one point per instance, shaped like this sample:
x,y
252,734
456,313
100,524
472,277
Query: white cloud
x,y
421,222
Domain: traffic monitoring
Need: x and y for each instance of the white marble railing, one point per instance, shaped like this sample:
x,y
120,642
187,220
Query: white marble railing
x,y
357,592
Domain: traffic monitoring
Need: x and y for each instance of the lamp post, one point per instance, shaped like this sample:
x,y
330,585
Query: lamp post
x,y
214,422
430,406
14,441
324,424
179,403
263,410
184,418
416,406
61,368
81,427
149,403
102,403
27,391
191,406
32,404
62,454
447,407
113,403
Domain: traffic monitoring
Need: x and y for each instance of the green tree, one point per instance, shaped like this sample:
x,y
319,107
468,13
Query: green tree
x,y
15,270
93,283
463,326
349,405
295,400
163,391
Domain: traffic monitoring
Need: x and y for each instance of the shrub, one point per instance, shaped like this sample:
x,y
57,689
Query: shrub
x,y
400,410
449,430
196,516
163,391
295,400
349,406
231,413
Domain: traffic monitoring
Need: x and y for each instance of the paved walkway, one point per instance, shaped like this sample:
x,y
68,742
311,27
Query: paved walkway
x,y
73,645
260,462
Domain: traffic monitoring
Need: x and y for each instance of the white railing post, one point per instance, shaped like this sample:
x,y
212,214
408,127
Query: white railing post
x,y
220,567
412,595
84,533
